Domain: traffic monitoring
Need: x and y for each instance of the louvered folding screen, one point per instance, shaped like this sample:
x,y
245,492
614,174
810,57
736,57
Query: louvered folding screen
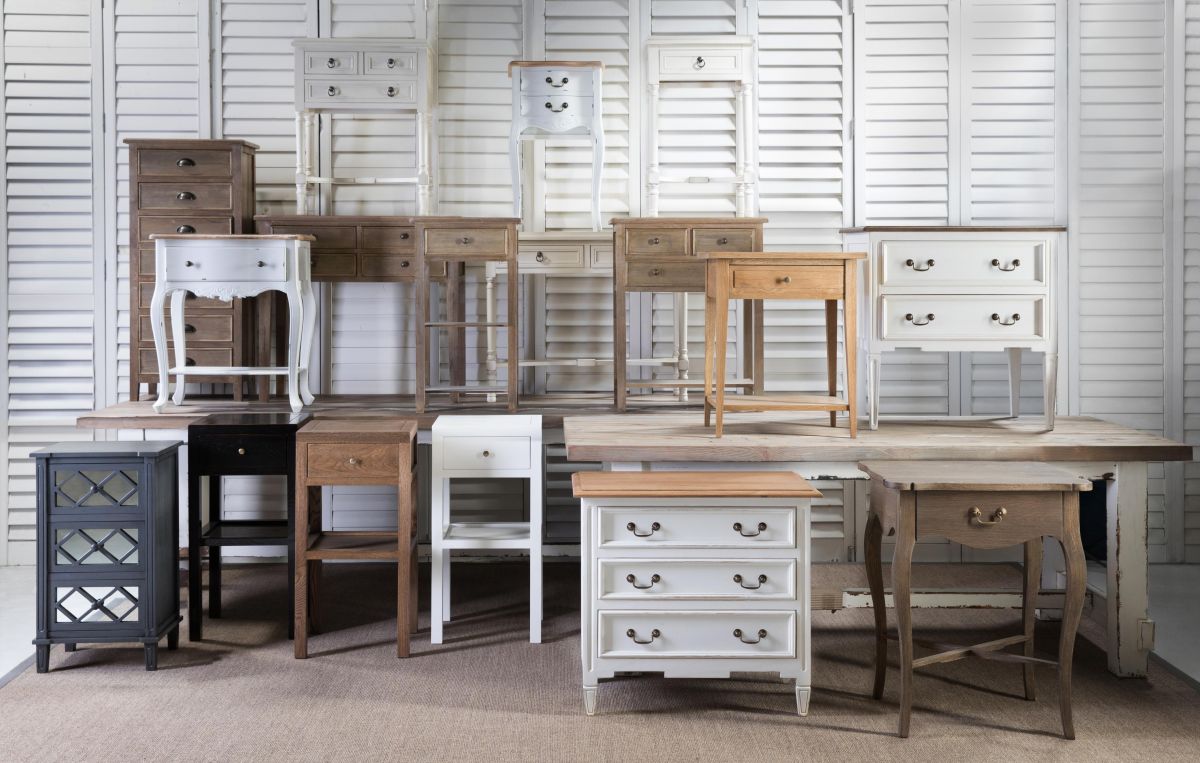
x,y
1191,274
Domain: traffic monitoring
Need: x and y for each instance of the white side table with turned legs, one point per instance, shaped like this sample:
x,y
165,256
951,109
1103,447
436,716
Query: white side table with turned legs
x,y
226,267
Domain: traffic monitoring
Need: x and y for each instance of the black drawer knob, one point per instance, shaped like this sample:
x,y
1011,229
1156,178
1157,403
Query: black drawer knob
x,y
189,328
391,63
189,361
391,91
541,257
404,237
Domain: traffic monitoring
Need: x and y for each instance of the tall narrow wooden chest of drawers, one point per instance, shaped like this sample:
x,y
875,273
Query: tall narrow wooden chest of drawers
x,y
188,186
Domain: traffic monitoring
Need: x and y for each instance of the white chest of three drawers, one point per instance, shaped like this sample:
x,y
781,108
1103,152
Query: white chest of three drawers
x,y
961,289
694,575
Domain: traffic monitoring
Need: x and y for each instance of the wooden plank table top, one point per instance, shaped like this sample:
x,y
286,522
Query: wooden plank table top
x,y
691,485
988,476
791,437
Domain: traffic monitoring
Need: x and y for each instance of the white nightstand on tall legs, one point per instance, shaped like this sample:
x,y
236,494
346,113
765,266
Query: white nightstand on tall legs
x,y
484,446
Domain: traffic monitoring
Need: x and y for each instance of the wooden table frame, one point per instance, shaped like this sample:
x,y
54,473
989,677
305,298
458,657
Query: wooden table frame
x,y
828,276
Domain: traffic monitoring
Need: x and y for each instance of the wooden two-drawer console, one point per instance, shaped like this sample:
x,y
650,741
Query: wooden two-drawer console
x,y
353,248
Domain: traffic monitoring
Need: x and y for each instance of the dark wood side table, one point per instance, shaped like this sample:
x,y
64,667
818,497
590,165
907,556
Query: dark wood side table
x,y
227,445
355,451
980,504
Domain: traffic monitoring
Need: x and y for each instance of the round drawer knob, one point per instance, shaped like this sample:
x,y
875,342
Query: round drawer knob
x,y
241,451
262,264
404,237
188,264
185,162
189,361
185,196
391,63
403,263
723,240
655,241
540,257
332,90
465,240
700,62
655,272
785,279
185,229
189,328
353,461
487,454
391,91
331,63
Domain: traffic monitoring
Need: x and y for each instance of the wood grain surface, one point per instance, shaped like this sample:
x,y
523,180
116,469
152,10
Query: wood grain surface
x,y
691,485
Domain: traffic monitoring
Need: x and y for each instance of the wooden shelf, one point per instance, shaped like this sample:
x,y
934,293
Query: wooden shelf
x,y
383,546
685,383
469,388
247,533
465,324
485,535
781,403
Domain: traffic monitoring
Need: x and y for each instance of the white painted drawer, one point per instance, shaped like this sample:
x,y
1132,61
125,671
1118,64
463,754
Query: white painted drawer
x,y
601,255
697,579
696,634
245,263
402,63
700,63
650,527
557,113
331,62
534,258
556,82
963,317
485,452
957,263
393,92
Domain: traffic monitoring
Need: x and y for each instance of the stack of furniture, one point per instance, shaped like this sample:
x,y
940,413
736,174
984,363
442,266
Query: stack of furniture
x,y
695,575
363,76
476,447
226,445
355,451
188,187
108,540
980,505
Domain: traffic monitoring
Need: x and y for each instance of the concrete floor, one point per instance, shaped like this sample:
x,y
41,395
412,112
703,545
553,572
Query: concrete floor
x,y
18,614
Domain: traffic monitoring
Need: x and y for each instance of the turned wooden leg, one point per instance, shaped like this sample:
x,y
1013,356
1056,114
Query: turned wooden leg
x,y
1072,607
874,559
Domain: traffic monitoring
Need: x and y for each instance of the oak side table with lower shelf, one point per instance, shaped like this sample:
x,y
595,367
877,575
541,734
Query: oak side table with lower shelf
x,y
695,575
985,505
225,268
355,451
227,445
108,548
828,276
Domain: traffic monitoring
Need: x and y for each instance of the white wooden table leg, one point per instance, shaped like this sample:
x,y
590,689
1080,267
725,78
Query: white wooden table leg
x,y
739,150
295,320
1014,381
1050,387
445,485
490,308
874,374
803,695
652,170
535,557
684,365
437,530
159,329
308,332
301,151
179,337
590,696
1130,629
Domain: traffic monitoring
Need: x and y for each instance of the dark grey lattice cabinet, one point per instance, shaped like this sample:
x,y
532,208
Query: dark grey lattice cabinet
x,y
108,539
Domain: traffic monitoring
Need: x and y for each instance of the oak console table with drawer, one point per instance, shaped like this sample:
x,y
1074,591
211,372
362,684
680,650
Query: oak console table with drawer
x,y
961,289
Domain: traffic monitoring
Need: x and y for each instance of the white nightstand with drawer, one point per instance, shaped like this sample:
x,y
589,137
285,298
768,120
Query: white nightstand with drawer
x,y
695,575
961,289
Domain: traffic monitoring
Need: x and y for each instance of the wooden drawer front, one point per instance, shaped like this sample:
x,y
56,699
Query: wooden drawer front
x,y
249,263
241,454
697,579
485,453
390,268
347,463
696,634
327,63
699,63
196,356
148,226
708,240
665,276
1026,516
394,92
197,328
173,196
963,318
466,242
634,527
533,258
184,162
557,113
601,256
327,236
403,63
787,282
923,264
331,266
393,239
191,301
656,242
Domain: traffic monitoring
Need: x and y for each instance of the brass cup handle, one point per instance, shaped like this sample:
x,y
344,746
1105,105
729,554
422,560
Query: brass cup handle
x,y
654,527
185,162
241,451
185,229
700,62
391,91
997,516
738,527
540,257
332,90
740,581
912,264
331,63
632,580
564,81
631,633
996,317
1015,264
919,321
784,280
185,196
762,633
550,106
353,461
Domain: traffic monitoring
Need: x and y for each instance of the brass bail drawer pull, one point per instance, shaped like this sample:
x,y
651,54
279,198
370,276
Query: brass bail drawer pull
x,y
997,516
550,106
738,527
631,633
654,527
912,264
996,317
1015,264
762,633
919,321
632,580
564,81
740,581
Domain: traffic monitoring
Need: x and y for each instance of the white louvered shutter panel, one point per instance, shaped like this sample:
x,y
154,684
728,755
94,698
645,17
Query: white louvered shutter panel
x,y
51,58
1013,146
904,159
1119,231
157,73
398,19
693,16
1191,273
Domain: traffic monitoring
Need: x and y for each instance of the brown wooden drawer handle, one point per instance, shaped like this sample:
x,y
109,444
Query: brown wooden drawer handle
x,y
185,229
762,634
540,257
997,516
919,321
738,527
632,580
632,527
912,264
185,196
784,280
185,162
740,581
631,633
723,240
996,317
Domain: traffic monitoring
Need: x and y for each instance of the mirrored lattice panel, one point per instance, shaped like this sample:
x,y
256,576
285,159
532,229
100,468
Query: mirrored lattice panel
x,y
88,488
96,546
96,604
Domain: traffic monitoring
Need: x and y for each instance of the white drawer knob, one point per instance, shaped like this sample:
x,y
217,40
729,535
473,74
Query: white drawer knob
x,y
353,461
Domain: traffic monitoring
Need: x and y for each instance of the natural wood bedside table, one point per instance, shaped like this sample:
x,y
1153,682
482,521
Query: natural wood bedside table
x,y
356,451
828,276
980,504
